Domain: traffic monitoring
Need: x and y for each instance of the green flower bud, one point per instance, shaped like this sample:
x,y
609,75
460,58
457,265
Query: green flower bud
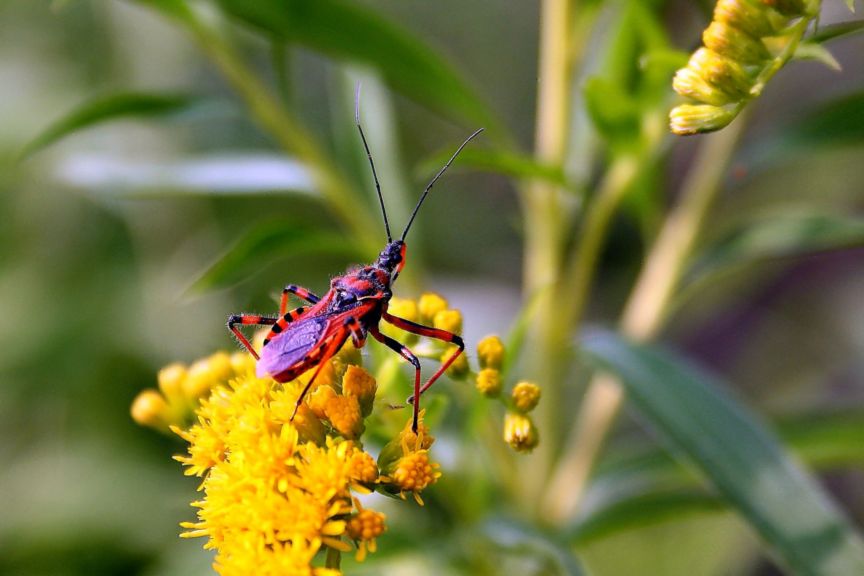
x,y
690,119
724,74
735,44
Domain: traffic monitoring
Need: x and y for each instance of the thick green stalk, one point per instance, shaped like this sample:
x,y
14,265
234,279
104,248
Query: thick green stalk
x,y
643,316
544,220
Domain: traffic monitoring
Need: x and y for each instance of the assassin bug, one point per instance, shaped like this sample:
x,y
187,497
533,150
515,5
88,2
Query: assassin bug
x,y
308,336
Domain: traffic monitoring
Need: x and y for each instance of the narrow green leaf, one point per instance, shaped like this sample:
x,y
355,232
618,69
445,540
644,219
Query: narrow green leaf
x,y
107,108
642,510
177,9
264,244
773,237
498,161
349,31
832,31
743,461
819,53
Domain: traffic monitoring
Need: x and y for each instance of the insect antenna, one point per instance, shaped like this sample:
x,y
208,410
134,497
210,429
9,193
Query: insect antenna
x,y
435,179
371,163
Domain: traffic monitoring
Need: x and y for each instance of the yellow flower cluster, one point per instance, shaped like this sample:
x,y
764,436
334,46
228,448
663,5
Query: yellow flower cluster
x,y
181,388
280,479
519,430
745,44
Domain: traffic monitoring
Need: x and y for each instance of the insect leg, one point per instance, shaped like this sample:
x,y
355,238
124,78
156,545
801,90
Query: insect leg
x,y
330,348
298,291
429,332
403,351
248,320
358,338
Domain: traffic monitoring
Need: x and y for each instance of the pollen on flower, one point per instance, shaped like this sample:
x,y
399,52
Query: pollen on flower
x,y
525,395
414,472
363,468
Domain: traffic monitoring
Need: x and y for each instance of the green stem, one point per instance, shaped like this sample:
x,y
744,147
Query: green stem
x,y
333,559
291,136
643,316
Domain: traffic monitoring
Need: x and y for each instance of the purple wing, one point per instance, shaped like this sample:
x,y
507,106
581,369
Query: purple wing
x,y
291,346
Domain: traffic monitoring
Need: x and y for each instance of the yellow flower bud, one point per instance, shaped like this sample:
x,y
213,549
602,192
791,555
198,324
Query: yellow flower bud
x,y
746,15
489,382
490,352
691,84
459,368
357,382
204,374
150,409
403,308
171,379
242,363
449,320
695,119
720,72
363,468
414,472
344,414
733,43
526,395
429,305
317,400
520,432
366,525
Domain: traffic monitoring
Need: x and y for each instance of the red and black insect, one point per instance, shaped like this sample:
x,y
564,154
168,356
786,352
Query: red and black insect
x,y
308,336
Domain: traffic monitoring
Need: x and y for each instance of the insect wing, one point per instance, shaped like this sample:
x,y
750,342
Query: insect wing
x,y
292,345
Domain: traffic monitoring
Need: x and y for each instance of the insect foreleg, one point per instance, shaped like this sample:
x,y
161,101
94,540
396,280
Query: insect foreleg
x,y
248,320
403,351
429,332
298,291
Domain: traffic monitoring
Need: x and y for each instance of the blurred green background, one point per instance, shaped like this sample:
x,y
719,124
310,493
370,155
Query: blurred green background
x,y
103,234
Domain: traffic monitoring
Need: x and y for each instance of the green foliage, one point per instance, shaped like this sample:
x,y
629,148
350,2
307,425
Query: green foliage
x,y
108,108
736,453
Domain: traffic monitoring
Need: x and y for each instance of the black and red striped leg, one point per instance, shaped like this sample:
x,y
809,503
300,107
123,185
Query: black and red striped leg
x,y
248,320
358,337
429,332
403,351
298,291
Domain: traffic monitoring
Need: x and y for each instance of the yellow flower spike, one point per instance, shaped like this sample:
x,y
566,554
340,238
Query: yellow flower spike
x,y
150,409
358,382
318,398
429,305
735,44
489,382
490,352
688,119
449,320
459,368
364,527
520,432
525,396
344,414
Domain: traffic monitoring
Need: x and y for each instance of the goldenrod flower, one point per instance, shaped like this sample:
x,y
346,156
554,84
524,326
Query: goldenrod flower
x,y
489,382
526,395
490,352
449,320
150,409
357,382
343,412
429,305
520,432
364,527
318,398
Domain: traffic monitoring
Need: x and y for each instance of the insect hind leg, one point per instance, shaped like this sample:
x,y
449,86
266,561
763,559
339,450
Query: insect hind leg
x,y
298,291
403,351
248,320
